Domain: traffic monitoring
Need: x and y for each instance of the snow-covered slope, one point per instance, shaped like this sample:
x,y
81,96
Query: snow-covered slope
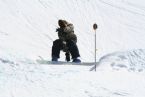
x,y
27,31
27,28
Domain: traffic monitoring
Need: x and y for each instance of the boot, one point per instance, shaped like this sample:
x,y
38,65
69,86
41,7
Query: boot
x,y
54,58
76,60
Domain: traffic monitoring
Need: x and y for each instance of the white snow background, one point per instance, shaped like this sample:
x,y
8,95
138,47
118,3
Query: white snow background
x,y
27,31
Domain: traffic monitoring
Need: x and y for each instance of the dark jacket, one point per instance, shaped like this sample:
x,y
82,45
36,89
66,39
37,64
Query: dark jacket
x,y
67,33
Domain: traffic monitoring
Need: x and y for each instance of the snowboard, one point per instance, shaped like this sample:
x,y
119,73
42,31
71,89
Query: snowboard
x,y
42,61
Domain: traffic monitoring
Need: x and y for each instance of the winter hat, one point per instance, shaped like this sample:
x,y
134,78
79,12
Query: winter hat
x,y
62,23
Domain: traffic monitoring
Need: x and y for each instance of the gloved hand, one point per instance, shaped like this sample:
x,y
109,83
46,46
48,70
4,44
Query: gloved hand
x,y
64,42
59,30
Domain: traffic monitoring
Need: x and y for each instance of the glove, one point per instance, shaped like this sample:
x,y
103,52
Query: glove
x,y
59,30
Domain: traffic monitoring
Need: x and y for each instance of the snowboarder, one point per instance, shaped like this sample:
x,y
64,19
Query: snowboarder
x,y
66,42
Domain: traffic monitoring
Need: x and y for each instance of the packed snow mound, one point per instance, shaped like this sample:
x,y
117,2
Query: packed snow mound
x,y
133,60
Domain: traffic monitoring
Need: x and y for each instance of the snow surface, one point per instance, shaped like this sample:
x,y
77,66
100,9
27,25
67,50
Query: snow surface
x,y
27,31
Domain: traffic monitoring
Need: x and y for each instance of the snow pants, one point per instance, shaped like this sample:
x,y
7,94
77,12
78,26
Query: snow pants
x,y
58,46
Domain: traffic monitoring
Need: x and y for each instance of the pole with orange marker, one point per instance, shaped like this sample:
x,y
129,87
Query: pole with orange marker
x,y
95,26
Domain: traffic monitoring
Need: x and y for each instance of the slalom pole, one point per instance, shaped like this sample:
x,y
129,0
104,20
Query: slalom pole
x,y
95,27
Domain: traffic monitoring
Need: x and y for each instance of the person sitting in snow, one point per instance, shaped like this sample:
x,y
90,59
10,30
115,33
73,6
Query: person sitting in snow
x,y
66,42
